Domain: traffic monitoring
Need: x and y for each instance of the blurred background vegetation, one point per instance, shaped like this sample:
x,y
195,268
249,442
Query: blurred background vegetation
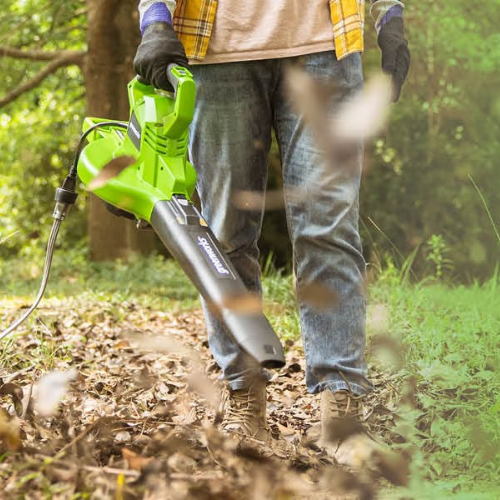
x,y
430,196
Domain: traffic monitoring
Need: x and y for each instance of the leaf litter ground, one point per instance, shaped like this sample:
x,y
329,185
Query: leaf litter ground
x,y
138,415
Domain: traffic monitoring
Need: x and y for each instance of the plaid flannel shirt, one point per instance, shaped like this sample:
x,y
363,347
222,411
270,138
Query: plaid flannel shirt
x,y
193,21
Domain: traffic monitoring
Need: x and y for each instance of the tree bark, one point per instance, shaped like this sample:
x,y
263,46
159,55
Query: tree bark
x,y
113,35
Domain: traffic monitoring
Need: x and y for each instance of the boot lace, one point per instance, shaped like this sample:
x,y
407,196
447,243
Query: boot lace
x,y
345,404
241,410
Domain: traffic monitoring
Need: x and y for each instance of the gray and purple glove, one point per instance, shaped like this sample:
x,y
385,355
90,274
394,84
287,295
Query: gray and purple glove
x,y
159,48
395,53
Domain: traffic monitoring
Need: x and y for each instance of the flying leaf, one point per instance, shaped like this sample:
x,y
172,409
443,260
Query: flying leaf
x,y
254,201
245,303
51,389
365,115
110,170
270,200
338,131
318,296
200,383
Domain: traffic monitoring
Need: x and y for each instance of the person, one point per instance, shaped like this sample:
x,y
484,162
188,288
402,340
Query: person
x,y
238,53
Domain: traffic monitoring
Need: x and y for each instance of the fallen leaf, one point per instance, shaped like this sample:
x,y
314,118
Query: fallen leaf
x,y
135,461
9,432
123,437
284,430
122,344
17,395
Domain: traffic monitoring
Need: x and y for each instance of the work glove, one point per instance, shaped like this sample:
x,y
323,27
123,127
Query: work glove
x,y
119,212
159,48
395,53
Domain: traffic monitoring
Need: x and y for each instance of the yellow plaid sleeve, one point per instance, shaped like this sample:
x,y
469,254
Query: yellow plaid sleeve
x,y
193,22
348,18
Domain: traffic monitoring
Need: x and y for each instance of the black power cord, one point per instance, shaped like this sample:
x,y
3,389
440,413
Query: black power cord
x,y
65,197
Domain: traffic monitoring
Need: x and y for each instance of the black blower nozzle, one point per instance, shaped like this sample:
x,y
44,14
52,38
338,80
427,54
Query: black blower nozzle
x,y
185,234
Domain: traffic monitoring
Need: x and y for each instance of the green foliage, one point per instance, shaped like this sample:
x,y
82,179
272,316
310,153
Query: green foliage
x,y
450,338
436,253
443,130
38,131
155,280
418,178
280,302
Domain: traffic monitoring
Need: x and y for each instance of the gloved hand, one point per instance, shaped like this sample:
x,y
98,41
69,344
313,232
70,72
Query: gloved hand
x,y
159,48
119,212
395,53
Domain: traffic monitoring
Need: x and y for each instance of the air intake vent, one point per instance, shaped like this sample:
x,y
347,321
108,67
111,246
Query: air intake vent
x,y
157,143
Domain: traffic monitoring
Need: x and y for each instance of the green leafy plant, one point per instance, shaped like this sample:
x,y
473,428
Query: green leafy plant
x,y
437,251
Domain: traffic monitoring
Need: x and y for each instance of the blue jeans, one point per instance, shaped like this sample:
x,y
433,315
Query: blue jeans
x,y
237,106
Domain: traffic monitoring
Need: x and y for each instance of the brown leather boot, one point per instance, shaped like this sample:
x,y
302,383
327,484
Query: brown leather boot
x,y
244,411
342,432
343,405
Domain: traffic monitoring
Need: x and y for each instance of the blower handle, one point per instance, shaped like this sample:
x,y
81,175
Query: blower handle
x,y
171,76
176,124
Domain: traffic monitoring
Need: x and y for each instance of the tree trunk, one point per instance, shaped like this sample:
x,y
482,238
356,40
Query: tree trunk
x,y
113,35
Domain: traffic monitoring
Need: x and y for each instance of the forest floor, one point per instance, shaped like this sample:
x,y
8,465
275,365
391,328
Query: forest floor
x,y
140,395
107,396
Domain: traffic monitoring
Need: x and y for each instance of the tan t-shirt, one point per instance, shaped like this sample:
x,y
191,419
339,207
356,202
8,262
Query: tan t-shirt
x,y
267,29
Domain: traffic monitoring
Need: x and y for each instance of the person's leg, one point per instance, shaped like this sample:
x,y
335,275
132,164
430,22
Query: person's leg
x,y
321,195
230,139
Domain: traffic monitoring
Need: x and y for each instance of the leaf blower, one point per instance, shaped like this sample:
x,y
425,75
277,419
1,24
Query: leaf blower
x,y
140,170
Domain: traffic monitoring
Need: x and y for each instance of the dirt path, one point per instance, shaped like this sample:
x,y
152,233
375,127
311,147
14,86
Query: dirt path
x,y
137,420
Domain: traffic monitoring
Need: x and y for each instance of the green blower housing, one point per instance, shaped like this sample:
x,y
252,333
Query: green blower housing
x,y
155,183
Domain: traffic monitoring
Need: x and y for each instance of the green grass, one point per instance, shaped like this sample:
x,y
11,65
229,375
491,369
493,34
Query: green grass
x,y
449,338
154,281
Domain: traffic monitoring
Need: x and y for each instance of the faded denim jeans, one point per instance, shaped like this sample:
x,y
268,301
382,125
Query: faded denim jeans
x,y
237,106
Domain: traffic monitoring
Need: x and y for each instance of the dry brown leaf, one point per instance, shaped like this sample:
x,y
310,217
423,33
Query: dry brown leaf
x,y
387,351
245,303
109,171
284,430
341,429
394,467
319,296
67,473
205,387
359,118
164,343
51,389
122,344
17,395
365,115
378,319
9,432
347,484
256,201
271,200
135,461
